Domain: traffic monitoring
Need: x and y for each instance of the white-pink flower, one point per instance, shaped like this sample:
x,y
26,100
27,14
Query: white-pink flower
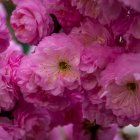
x,y
53,66
121,83
58,61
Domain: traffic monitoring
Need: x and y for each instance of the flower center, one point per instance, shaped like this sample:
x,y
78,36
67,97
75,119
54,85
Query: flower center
x,y
90,128
131,86
63,65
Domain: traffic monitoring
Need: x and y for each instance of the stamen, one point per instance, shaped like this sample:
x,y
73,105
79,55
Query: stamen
x,y
63,65
131,86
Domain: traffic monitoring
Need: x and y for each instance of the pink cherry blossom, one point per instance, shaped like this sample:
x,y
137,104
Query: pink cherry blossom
x,y
31,22
81,78
35,121
121,87
52,67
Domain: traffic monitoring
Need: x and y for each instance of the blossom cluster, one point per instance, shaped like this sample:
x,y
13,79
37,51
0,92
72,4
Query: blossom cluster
x,y
81,78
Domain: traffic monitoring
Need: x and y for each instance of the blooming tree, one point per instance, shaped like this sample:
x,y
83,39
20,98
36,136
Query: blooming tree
x,y
81,78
